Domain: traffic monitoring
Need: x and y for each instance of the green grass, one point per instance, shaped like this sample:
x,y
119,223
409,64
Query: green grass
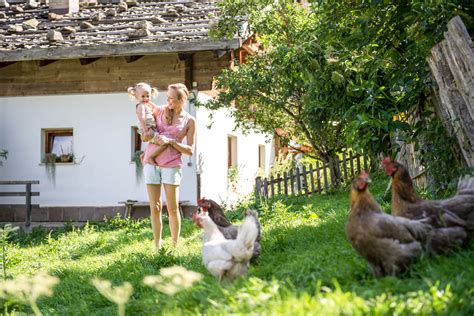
x,y
306,267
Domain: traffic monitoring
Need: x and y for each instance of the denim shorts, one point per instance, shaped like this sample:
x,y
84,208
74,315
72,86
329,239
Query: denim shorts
x,y
159,175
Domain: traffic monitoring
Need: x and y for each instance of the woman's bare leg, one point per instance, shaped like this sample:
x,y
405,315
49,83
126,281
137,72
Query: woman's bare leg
x,y
154,193
172,197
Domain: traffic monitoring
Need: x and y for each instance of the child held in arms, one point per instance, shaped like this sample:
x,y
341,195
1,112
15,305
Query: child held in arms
x,y
142,93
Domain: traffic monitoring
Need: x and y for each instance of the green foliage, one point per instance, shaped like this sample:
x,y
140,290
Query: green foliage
x,y
307,267
336,74
4,244
277,89
282,164
438,155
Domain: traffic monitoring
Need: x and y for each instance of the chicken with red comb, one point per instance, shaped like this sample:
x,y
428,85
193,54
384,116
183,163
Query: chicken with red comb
x,y
457,211
388,243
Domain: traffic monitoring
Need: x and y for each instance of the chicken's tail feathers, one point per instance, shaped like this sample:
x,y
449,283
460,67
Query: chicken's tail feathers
x,y
466,185
421,230
445,239
253,214
248,232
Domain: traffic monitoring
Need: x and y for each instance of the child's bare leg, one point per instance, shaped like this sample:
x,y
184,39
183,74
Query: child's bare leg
x,y
155,154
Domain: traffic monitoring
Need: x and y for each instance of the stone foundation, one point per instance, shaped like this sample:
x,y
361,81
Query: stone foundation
x,y
77,214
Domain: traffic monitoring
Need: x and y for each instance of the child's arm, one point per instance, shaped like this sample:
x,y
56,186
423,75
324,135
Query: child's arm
x,y
141,115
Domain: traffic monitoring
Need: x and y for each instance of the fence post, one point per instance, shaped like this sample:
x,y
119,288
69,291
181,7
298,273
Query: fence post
x,y
265,188
351,157
344,164
325,175
28,205
272,186
311,178
318,176
279,179
332,173
258,187
292,182
298,180
285,183
305,181
365,163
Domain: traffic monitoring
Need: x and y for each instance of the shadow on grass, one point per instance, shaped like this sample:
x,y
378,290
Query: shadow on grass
x,y
41,235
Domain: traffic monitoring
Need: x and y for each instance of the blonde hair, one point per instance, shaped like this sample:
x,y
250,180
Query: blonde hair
x,y
141,86
182,94
181,91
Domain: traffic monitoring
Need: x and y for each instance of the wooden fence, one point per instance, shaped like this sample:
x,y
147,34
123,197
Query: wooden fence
x,y
311,179
27,194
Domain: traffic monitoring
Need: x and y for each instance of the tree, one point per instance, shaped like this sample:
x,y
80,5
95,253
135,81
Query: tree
x,y
286,88
336,74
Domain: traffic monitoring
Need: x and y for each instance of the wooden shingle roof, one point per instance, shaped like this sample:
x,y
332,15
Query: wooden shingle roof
x,y
28,31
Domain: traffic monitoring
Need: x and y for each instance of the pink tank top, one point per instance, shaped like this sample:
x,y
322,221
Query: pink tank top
x,y
170,157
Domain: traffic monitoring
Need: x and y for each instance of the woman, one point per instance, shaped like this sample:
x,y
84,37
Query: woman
x,y
173,125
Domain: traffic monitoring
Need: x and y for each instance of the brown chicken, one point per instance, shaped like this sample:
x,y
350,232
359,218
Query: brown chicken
x,y
389,243
457,211
225,227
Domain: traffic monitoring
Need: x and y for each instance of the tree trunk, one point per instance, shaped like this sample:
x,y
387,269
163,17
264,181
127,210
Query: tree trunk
x,y
333,164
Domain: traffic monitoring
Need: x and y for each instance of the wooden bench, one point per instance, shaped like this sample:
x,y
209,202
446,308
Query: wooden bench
x,y
27,194
130,204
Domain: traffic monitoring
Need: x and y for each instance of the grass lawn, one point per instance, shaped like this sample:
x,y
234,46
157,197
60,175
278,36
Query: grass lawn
x,y
306,267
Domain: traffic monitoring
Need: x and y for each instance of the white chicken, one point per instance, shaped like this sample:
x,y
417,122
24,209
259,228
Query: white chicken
x,y
227,259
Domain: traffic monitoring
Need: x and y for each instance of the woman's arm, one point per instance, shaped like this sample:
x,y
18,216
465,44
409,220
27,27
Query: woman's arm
x,y
187,149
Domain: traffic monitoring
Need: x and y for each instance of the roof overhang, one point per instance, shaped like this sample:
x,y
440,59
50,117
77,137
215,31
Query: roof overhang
x,y
121,49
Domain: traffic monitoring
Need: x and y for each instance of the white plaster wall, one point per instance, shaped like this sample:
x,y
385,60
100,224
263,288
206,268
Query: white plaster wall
x,y
102,134
212,152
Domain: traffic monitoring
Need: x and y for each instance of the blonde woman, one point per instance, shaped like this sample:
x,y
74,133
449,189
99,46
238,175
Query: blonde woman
x,y
174,125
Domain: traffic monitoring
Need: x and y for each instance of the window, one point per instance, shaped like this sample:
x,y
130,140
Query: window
x,y
136,143
58,145
261,157
231,151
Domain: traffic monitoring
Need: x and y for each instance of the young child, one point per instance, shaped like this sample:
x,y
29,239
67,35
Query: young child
x,y
143,93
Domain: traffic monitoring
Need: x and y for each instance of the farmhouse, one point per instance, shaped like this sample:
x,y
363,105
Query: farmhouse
x,y
64,70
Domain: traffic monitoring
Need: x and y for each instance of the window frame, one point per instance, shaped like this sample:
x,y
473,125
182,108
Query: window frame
x,y
136,143
48,135
231,151
261,156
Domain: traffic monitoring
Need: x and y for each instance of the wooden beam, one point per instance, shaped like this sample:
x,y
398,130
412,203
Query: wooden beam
x,y
131,59
220,53
188,69
10,182
7,63
18,193
123,49
87,61
46,62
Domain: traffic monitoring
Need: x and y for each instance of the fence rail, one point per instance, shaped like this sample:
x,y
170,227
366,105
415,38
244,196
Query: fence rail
x,y
27,194
312,179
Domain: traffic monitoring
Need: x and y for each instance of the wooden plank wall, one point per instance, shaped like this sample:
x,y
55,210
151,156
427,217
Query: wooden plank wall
x,y
105,75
